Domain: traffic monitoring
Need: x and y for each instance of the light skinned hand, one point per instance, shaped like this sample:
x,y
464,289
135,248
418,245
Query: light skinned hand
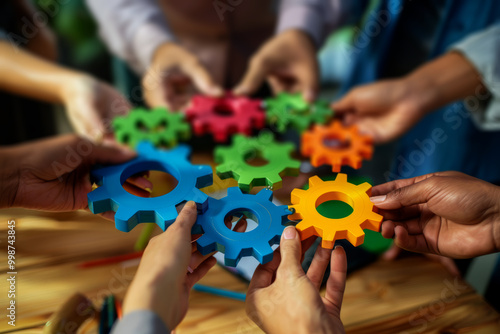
x,y
174,75
91,106
448,213
288,62
162,283
54,174
282,298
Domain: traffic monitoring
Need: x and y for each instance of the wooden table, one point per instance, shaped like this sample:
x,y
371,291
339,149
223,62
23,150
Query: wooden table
x,y
411,294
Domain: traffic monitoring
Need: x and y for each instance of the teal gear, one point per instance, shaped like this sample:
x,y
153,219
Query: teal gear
x,y
158,126
233,162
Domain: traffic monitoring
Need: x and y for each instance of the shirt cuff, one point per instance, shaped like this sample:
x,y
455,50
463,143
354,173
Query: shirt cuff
x,y
140,321
147,39
482,50
303,17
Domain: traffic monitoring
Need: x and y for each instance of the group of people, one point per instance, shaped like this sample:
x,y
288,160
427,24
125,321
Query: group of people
x,y
426,72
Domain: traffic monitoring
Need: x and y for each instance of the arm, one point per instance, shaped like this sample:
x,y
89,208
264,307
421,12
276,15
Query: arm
x,y
133,30
89,103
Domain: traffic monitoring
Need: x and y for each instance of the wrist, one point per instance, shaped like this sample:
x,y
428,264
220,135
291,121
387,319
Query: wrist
x,y
73,85
421,92
9,178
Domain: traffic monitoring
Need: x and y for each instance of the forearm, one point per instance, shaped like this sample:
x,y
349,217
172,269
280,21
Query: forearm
x,y
449,78
28,75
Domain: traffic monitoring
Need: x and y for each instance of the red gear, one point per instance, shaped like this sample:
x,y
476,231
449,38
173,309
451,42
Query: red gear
x,y
225,116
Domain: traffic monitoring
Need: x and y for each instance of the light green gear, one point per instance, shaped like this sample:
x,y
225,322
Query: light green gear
x,y
291,111
158,126
233,161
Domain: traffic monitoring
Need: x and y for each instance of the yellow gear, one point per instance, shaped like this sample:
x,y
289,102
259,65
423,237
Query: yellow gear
x,y
305,202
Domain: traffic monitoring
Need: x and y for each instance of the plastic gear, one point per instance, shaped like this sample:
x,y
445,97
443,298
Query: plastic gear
x,y
358,147
233,163
158,126
305,202
132,210
271,218
292,111
225,116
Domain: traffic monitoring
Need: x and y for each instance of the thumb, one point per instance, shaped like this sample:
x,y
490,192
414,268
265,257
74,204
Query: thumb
x,y
417,193
203,80
291,251
346,103
254,77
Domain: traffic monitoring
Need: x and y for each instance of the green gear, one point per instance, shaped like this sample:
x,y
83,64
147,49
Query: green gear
x,y
232,160
292,111
157,126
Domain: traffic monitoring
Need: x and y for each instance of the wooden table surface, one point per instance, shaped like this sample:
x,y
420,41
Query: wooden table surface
x,y
410,295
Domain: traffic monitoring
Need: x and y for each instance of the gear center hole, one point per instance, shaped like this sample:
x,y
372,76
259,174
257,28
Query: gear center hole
x,y
334,205
336,143
238,217
163,183
161,127
254,158
223,110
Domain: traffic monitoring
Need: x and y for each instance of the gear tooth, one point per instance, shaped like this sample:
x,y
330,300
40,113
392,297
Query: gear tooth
x,y
125,219
197,196
328,242
265,195
356,236
205,245
183,151
245,183
315,181
365,187
165,217
144,147
274,181
263,253
231,256
341,177
354,162
297,194
373,222
99,201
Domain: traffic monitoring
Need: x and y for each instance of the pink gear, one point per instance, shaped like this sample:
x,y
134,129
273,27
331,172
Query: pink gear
x,y
225,116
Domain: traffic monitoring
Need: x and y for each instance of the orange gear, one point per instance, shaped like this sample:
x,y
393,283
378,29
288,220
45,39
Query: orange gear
x,y
305,202
358,147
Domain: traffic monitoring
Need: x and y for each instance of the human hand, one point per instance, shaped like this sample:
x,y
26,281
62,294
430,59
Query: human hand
x,y
162,283
282,298
53,174
173,77
449,213
92,105
385,110
289,63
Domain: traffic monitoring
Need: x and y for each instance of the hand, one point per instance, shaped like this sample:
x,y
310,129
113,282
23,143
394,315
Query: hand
x,y
53,174
91,106
449,214
281,298
384,110
289,63
173,76
162,283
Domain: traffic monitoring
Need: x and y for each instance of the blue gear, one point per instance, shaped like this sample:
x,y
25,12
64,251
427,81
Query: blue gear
x,y
132,210
216,236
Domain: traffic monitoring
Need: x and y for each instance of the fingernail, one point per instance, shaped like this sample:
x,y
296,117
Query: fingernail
x,y
378,199
191,205
190,270
338,246
290,233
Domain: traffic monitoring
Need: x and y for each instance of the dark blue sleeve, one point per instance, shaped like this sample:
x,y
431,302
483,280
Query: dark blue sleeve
x,y
140,321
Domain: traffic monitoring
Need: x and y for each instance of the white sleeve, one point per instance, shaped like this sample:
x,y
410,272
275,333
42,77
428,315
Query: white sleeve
x,y
132,29
482,49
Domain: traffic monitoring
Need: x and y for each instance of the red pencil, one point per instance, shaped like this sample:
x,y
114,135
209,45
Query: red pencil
x,y
111,260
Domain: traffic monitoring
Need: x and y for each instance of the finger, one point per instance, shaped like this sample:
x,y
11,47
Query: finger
x,y
318,266
404,213
309,78
392,253
202,79
291,253
335,286
140,182
109,153
413,243
197,258
181,228
200,272
346,103
253,79
264,274
277,85
136,190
